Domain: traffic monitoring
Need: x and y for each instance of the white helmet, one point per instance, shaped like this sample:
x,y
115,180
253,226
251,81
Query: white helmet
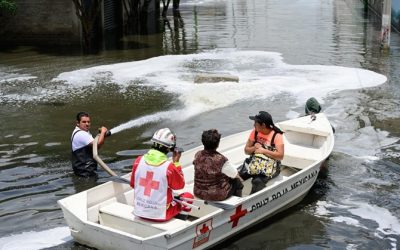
x,y
164,137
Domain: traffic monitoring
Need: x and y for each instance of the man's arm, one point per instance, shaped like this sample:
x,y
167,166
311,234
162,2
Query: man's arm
x,y
279,146
102,136
251,144
277,155
229,170
134,167
175,177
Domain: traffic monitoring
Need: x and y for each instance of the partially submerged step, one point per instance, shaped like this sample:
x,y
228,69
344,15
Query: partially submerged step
x,y
213,78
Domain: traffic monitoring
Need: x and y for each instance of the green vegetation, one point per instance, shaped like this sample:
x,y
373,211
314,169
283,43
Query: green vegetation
x,y
8,6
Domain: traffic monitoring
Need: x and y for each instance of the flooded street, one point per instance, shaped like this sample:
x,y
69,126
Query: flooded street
x,y
283,53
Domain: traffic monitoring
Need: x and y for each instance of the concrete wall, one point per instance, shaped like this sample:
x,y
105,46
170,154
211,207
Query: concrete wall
x,y
54,22
376,5
41,22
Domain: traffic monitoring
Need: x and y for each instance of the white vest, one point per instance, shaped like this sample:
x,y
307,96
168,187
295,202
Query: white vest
x,y
151,187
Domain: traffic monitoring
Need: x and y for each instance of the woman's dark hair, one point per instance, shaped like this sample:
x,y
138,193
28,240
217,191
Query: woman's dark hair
x,y
210,139
263,117
80,115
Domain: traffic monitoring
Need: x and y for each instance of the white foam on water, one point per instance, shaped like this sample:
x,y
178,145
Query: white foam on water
x,y
388,224
351,247
323,208
348,221
25,136
377,182
13,76
257,70
369,141
200,2
52,144
293,114
36,240
35,159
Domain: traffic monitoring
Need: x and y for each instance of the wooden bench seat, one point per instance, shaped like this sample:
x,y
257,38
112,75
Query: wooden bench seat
x,y
120,216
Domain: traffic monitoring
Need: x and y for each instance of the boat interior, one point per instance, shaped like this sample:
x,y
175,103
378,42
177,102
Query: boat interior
x,y
113,207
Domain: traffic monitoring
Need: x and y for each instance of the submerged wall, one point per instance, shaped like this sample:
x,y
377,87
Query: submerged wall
x,y
54,22
375,5
41,22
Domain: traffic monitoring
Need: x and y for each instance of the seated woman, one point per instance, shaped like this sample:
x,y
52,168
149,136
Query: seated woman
x,y
215,178
265,143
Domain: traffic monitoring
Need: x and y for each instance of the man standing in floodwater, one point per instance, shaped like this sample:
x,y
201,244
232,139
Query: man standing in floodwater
x,y
82,160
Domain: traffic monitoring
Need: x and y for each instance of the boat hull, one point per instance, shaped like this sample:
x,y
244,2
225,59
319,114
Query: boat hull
x,y
94,223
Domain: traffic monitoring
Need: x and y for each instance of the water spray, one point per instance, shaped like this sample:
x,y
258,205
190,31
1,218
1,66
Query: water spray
x,y
152,118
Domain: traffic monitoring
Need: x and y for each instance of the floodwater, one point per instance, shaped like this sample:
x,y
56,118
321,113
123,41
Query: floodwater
x,y
282,51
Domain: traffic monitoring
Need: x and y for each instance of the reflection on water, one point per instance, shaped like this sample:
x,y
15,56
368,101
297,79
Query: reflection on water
x,y
317,40
82,184
294,226
290,229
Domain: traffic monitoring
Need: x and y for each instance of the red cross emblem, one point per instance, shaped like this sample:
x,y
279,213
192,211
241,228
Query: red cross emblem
x,y
148,183
203,232
204,229
238,213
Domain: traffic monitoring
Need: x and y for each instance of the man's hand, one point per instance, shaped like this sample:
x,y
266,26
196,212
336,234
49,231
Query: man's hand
x,y
176,155
103,130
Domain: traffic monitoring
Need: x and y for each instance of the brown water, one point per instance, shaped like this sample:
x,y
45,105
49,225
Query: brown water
x,y
37,114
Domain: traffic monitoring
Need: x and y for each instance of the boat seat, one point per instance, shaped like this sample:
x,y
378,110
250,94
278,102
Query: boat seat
x,y
307,130
112,213
303,152
300,156
229,203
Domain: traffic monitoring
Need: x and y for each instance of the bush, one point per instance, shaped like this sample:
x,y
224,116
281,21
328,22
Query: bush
x,y
8,6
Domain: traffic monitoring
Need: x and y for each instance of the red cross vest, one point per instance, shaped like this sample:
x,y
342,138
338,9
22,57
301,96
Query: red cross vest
x,y
151,185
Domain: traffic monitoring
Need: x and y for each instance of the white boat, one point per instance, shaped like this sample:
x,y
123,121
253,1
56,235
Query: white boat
x,y
102,217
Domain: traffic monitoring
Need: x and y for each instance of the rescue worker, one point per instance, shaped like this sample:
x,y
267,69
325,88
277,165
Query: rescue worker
x,y
154,177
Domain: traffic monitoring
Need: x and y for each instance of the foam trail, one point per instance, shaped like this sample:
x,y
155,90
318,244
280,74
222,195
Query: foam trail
x,y
257,70
36,240
175,74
